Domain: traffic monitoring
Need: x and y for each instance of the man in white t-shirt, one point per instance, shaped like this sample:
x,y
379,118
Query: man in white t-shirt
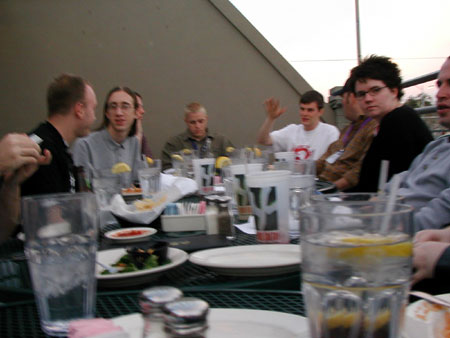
x,y
310,139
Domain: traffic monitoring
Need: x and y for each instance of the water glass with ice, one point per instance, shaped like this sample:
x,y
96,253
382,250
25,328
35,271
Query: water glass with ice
x,y
356,267
150,181
61,244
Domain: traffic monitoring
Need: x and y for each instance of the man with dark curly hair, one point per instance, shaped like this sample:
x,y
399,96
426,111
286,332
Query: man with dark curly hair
x,y
401,136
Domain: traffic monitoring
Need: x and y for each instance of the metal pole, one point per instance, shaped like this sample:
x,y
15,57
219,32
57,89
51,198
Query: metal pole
x,y
358,37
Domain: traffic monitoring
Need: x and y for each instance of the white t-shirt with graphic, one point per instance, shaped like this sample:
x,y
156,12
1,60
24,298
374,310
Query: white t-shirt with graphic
x,y
295,138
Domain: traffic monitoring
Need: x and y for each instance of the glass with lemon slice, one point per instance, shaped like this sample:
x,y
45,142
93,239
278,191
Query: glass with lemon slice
x,y
356,268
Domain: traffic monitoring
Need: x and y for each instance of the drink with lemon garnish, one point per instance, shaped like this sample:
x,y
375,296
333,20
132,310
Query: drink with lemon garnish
x,y
355,275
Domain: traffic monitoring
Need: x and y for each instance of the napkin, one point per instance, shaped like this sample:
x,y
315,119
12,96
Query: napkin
x,y
249,227
172,189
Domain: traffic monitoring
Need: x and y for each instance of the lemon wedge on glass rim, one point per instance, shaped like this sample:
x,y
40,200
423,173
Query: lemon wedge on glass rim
x,y
149,160
257,152
222,161
120,167
371,247
186,151
229,149
177,157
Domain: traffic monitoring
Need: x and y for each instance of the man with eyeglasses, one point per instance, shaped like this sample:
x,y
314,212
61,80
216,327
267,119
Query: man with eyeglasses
x,y
140,111
401,136
116,140
71,105
310,139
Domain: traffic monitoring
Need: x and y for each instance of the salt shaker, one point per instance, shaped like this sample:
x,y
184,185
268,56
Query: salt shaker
x,y
151,301
186,317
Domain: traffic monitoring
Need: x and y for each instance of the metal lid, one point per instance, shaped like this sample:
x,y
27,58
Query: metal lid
x,y
186,316
152,299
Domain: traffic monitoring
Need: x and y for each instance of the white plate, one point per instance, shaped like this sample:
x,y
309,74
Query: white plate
x,y
236,323
176,256
415,328
134,238
250,260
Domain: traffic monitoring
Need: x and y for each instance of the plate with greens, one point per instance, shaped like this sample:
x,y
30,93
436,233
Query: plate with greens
x,y
132,274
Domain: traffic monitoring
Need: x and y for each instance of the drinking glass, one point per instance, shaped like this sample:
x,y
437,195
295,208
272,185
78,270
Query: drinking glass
x,y
356,268
302,186
269,199
149,180
61,244
105,185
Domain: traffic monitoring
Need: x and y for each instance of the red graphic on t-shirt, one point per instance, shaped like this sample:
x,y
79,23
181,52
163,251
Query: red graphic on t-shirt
x,y
302,152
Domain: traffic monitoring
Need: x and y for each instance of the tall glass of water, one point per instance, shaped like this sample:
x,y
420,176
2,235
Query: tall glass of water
x,y
61,244
356,268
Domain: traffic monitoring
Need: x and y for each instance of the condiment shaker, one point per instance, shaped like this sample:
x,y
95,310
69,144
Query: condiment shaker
x,y
225,218
186,317
151,301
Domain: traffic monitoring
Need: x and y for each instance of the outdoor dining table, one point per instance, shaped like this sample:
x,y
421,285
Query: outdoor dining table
x,y
20,319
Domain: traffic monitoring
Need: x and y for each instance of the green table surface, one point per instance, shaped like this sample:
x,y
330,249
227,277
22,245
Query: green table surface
x,y
20,319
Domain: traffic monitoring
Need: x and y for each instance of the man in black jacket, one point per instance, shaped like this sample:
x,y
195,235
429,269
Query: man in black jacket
x,y
71,105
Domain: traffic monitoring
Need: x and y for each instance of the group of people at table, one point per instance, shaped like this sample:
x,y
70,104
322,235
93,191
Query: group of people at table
x,y
381,128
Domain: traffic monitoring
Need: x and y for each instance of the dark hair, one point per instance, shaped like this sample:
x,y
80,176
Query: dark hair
x,y
379,68
105,107
64,92
312,96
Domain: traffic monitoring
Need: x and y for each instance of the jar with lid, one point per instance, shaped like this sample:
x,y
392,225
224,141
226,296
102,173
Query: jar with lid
x,y
186,317
151,301
225,218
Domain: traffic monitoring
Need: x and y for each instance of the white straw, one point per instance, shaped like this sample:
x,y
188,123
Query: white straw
x,y
390,204
383,176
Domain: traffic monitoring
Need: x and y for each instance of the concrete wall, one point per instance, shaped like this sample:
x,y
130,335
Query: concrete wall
x,y
171,51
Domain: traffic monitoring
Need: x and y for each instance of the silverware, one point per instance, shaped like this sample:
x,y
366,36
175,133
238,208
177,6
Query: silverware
x,y
430,298
110,268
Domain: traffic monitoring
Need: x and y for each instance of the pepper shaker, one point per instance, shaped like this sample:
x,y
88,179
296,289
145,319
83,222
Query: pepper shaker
x,y
225,218
151,301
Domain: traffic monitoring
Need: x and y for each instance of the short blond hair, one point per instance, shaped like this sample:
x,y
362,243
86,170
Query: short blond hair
x,y
194,107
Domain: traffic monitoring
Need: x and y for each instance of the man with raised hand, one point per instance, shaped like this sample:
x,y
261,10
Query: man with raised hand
x,y
310,139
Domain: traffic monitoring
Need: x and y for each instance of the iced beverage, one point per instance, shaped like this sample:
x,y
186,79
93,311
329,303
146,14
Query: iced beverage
x,y
355,277
61,244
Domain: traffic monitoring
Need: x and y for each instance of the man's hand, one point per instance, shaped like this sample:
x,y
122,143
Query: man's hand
x,y
273,108
442,235
425,257
17,150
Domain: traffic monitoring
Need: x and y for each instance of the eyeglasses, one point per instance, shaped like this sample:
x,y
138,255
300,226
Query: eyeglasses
x,y
125,107
372,92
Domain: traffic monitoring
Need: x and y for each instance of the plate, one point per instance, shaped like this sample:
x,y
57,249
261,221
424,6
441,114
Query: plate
x,y
176,256
416,328
236,323
250,260
126,235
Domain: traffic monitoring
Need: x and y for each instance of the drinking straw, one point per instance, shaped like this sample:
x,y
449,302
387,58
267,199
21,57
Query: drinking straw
x,y
390,204
383,176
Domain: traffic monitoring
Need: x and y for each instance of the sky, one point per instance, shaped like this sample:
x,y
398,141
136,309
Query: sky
x,y
318,38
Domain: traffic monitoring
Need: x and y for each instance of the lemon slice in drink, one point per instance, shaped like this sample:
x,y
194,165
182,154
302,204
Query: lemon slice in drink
x,y
229,149
222,161
149,160
120,167
372,247
258,152
177,157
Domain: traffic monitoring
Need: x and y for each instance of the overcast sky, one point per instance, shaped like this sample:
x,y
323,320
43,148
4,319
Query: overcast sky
x,y
318,37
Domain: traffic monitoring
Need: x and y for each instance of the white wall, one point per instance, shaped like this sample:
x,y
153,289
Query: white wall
x,y
171,51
